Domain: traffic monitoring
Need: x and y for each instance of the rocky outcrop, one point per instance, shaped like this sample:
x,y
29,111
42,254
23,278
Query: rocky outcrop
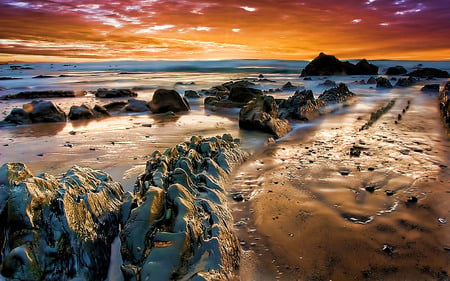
x,y
383,83
396,70
429,73
41,95
84,112
190,94
301,106
38,111
168,100
337,94
57,228
232,94
262,114
179,227
114,93
328,83
406,82
243,95
444,102
325,65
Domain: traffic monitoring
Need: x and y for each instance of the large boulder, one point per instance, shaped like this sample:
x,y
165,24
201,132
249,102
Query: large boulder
x,y
262,114
406,82
168,100
57,228
324,65
114,93
244,94
17,116
302,106
41,111
337,94
429,73
396,70
179,226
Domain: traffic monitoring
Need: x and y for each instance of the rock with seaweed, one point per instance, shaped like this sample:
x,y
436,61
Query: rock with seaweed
x,y
178,225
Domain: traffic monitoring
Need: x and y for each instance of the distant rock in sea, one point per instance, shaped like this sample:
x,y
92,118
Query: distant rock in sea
x,y
396,70
429,73
325,65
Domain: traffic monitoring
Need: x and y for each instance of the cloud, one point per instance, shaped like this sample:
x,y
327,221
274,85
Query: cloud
x,y
155,28
248,9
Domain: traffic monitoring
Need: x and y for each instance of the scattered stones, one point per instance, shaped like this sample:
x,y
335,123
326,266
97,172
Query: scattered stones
x,y
84,112
374,116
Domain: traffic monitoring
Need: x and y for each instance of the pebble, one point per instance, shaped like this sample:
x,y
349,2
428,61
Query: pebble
x,y
344,172
238,197
389,192
40,154
68,145
412,199
147,125
370,188
442,220
388,249
72,133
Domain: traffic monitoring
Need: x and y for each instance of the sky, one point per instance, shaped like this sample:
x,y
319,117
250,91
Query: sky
x,y
84,30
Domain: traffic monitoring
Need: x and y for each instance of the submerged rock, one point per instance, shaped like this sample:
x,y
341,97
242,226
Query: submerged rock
x,y
190,94
135,105
262,114
179,226
57,228
430,88
168,100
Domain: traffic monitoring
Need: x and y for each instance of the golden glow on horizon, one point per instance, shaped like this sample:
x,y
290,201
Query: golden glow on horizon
x,y
74,31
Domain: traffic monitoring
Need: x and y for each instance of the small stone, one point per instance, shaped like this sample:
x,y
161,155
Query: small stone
x,y
442,220
72,133
147,125
404,152
388,249
92,148
344,172
68,145
370,188
40,154
371,169
291,234
238,197
412,199
253,244
6,144
389,192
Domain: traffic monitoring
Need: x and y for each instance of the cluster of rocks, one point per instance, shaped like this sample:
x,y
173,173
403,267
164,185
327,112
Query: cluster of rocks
x,y
324,65
175,225
444,101
39,111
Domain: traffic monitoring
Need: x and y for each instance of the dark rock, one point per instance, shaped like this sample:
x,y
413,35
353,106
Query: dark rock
x,y
307,79
337,94
325,65
444,103
302,106
396,70
135,105
244,94
168,100
44,111
406,82
178,223
101,110
114,93
429,72
44,76
238,197
383,83
190,94
238,84
370,188
355,151
371,80
262,114
412,199
216,91
115,106
389,192
430,88
84,112
57,228
42,95
17,116
9,78
388,249
260,76
328,83
288,87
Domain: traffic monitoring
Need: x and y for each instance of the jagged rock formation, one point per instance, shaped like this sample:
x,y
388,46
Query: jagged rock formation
x,y
262,114
303,105
57,228
168,100
179,226
324,65
444,101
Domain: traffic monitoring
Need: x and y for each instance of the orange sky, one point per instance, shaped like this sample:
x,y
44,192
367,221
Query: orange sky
x,y
68,30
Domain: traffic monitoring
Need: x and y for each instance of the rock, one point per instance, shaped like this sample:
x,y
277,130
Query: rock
x,y
444,103
328,83
288,87
44,111
17,116
429,72
337,94
371,80
325,65
41,95
301,106
243,94
57,228
190,94
84,112
179,226
168,100
44,76
114,93
262,114
238,197
383,83
115,106
135,105
412,199
238,84
396,70
430,88
406,82
216,91
9,78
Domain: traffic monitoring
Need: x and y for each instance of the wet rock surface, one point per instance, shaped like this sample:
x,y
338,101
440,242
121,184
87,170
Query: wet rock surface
x,y
396,70
429,72
38,111
179,225
84,112
444,103
57,228
41,95
168,100
114,93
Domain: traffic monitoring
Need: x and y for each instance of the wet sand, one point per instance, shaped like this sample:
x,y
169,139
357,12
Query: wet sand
x,y
314,212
